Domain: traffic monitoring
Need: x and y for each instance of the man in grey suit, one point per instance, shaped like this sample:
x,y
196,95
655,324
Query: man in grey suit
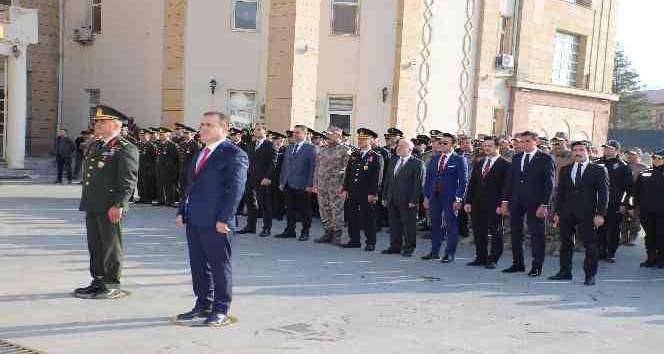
x,y
401,194
296,180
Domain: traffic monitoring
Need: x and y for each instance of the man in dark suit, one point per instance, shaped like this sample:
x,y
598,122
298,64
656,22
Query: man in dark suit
x,y
297,175
483,199
258,193
527,192
278,200
64,150
215,185
444,189
402,190
581,203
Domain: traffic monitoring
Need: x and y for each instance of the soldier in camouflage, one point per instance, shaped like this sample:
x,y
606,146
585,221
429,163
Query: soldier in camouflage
x,y
562,157
328,181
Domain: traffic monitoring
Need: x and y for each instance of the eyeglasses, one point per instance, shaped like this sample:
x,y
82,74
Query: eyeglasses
x,y
658,157
444,143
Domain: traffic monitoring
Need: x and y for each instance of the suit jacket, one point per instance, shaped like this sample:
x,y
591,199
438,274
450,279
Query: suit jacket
x,y
262,162
298,169
486,192
454,177
534,186
64,146
589,198
406,186
214,193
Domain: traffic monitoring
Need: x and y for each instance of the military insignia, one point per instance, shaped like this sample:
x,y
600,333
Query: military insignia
x,y
100,164
648,174
366,167
616,165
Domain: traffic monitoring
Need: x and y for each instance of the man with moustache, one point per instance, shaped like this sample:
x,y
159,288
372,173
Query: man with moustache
x,y
581,204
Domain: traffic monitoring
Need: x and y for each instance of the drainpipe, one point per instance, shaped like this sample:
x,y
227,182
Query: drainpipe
x,y
61,46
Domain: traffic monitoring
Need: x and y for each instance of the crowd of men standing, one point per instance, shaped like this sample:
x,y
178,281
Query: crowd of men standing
x,y
557,195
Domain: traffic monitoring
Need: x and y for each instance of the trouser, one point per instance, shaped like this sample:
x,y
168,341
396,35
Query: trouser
x,y
211,271
536,230
361,216
298,204
609,233
588,233
147,188
630,229
331,207
485,222
166,191
440,208
258,200
403,224
78,162
463,223
278,203
653,225
63,163
105,247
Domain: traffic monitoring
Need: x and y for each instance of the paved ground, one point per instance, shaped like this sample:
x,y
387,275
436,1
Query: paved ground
x,y
296,297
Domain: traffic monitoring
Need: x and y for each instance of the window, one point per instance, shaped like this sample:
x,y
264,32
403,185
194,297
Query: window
x,y
505,35
242,108
340,111
96,16
245,15
345,16
94,97
566,59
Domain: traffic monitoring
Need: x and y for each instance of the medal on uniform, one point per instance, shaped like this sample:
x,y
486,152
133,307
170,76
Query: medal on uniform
x,y
616,165
100,164
366,167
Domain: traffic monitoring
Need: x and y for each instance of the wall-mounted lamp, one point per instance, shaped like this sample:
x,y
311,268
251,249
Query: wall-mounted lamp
x,y
385,92
213,86
16,50
409,64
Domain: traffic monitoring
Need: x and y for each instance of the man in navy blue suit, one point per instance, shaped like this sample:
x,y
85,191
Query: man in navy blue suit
x,y
444,189
215,185
297,179
527,192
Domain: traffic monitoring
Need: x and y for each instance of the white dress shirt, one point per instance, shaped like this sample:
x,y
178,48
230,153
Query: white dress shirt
x,y
576,166
211,147
111,138
402,162
297,147
259,143
530,154
491,161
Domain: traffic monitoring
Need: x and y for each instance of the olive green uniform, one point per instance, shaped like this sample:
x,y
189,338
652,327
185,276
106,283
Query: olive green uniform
x,y
109,180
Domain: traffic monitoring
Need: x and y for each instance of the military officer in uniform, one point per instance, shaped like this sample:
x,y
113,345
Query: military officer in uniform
x,y
360,190
188,150
381,210
278,201
108,183
178,134
632,225
328,181
392,139
147,184
648,193
167,168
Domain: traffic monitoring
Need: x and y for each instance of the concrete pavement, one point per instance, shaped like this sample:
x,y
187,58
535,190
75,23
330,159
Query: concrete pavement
x,y
301,297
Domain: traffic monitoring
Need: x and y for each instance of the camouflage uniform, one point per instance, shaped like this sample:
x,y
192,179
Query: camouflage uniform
x,y
508,154
552,233
629,232
329,178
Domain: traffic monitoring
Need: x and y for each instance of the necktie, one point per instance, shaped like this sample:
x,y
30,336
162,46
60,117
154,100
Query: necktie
x,y
297,147
577,177
487,167
258,144
206,152
441,167
399,165
526,161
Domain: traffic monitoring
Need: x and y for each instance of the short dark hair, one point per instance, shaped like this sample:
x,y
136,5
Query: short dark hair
x,y
223,118
584,143
496,140
451,136
529,133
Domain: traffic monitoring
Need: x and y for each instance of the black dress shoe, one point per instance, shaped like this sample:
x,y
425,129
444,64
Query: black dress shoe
x,y
88,290
216,320
535,272
514,269
648,263
491,265
431,256
610,259
350,244
105,293
247,231
561,276
391,251
194,314
303,238
476,263
286,234
448,258
407,253
590,280
265,233
369,248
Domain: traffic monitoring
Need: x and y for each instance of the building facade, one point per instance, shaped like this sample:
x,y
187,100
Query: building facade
x,y
471,66
656,101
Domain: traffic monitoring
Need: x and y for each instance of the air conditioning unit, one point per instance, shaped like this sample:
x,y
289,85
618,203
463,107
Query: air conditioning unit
x,y
83,35
504,61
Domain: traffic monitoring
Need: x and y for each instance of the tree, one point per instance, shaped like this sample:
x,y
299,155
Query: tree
x,y
632,111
